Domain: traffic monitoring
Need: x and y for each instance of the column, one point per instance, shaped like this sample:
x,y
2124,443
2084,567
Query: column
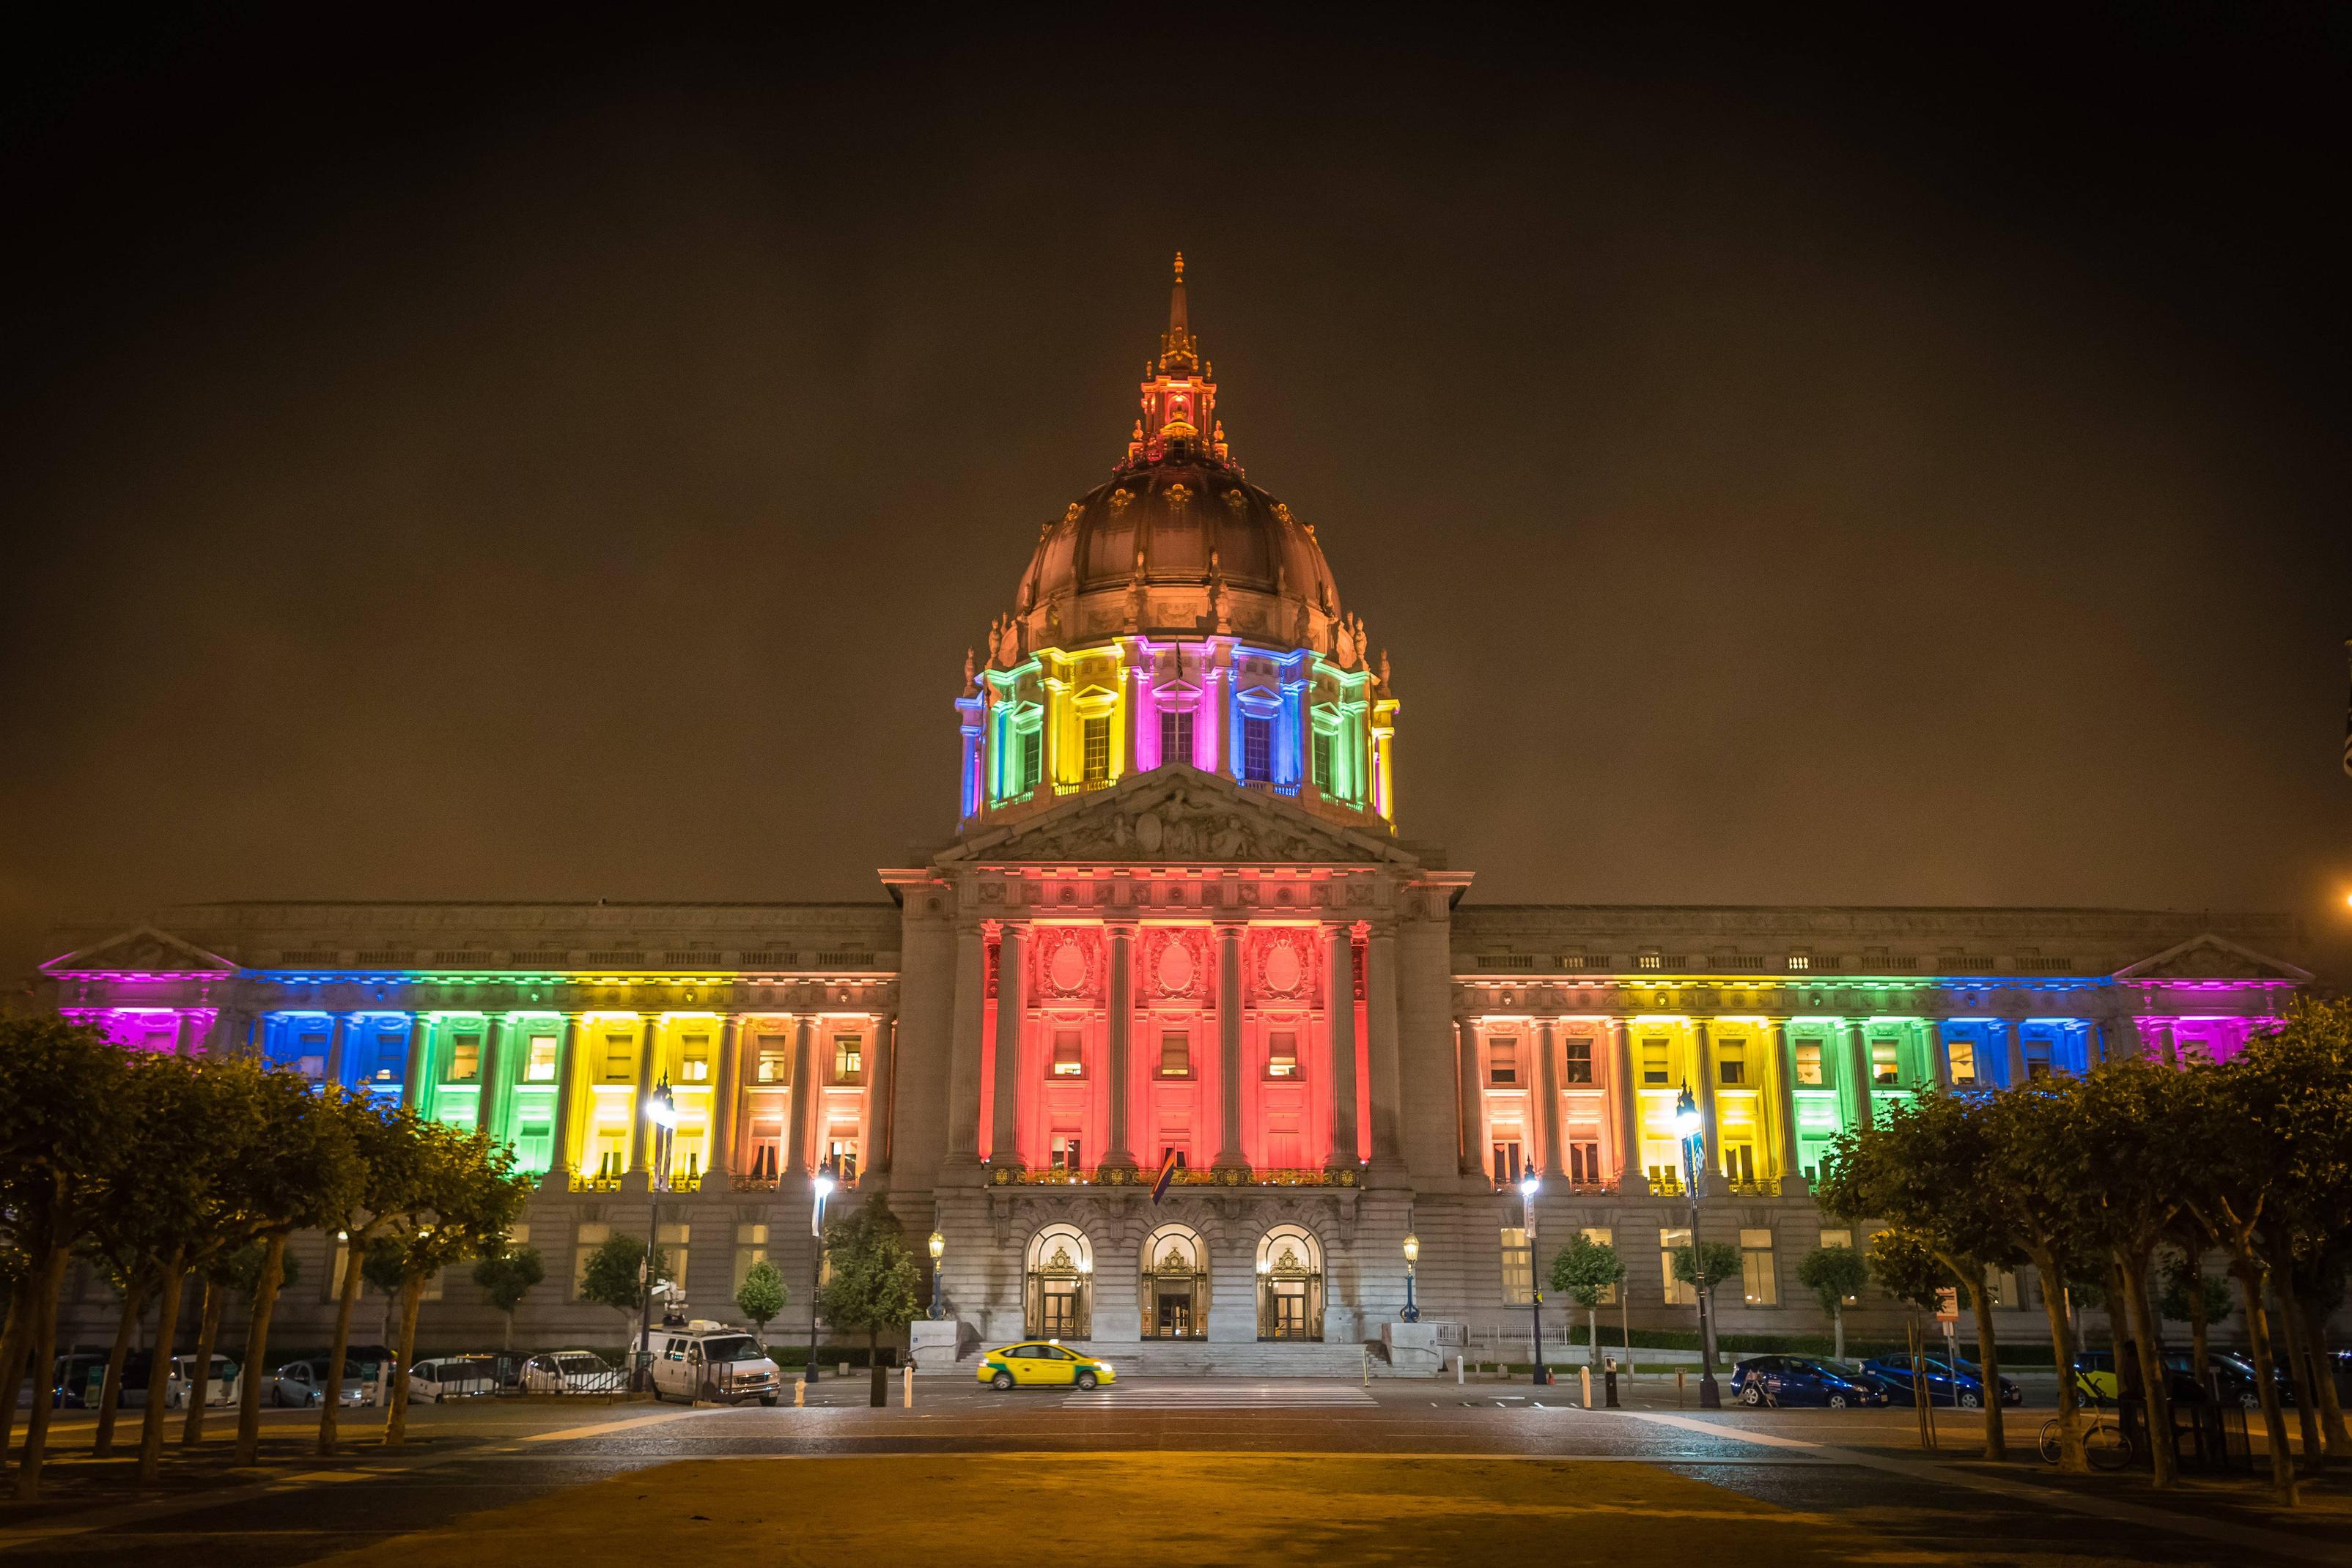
x,y
185,1038
1940,1068
726,1104
1003,1142
1229,1050
641,1145
1703,1048
563,1158
1380,1007
339,1035
1547,1085
1784,1083
1623,1094
963,1054
491,1099
1470,1097
2014,1037
798,1158
1116,1154
1857,1057
1340,1007
880,1066
418,1075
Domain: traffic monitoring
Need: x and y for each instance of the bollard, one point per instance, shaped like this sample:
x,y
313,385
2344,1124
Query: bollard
x,y
1679,1376
800,1391
1584,1377
909,1378
1609,1388
1457,1360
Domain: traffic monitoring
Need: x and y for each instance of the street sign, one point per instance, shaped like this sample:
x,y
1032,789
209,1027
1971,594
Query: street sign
x,y
1947,1305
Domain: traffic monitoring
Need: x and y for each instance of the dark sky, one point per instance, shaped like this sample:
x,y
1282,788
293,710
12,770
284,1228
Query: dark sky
x,y
1818,457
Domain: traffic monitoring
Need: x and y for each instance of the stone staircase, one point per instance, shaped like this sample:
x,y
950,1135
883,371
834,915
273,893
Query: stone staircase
x,y
1209,1358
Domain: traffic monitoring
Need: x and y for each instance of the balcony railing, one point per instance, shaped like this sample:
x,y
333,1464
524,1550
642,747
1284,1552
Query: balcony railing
x,y
1007,1176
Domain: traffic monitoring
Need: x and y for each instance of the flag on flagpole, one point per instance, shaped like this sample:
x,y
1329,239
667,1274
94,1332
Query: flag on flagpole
x,y
1168,1164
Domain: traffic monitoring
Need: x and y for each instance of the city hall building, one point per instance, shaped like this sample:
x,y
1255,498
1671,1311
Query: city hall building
x,y
1178,921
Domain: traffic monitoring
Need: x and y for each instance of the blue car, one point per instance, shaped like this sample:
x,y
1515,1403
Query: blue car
x,y
1799,1380
1962,1385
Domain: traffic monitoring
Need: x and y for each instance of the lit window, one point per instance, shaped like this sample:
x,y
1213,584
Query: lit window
x,y
1809,1061
1731,1062
694,1060
1882,1063
775,1060
1323,760
1584,1163
1580,1059
620,1058
672,1240
1962,1055
1281,1054
1503,1062
1066,1153
1648,961
1758,1279
1176,734
465,1058
1069,1059
848,1058
1172,1152
1033,759
539,1066
1800,962
1257,749
1837,1238
1096,737
1653,1062
1671,1240
1507,1166
1518,1267
841,1159
751,1247
1602,1236
1175,1054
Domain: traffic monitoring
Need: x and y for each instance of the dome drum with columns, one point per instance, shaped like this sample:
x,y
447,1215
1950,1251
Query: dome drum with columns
x,y
1178,613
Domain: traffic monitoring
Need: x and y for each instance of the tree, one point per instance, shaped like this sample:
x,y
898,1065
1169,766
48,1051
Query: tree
x,y
506,1277
762,1295
2193,1296
391,1145
611,1279
64,1118
871,1283
230,1271
1585,1270
1834,1275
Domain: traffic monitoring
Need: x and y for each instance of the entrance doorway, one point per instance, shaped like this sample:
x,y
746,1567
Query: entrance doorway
x,y
1290,1284
1059,1300
1175,1284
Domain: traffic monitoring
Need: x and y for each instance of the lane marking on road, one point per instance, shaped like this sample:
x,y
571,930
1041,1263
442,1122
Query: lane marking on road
x,y
607,1428
2247,1536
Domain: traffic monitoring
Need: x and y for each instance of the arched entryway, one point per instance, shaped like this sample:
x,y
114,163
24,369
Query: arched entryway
x,y
1289,1284
1059,1300
1175,1285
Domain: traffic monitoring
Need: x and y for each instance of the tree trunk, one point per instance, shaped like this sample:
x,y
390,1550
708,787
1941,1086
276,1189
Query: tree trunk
x,y
2314,1323
45,1280
330,1400
1996,1433
2249,1271
2201,1334
2121,1335
1592,1334
395,1416
110,1400
167,1328
2071,1458
192,1431
2298,1366
12,1363
508,1317
256,1352
1837,1332
2164,1465
879,1390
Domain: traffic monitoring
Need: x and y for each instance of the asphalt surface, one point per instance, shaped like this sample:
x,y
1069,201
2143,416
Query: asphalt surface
x,y
1858,1469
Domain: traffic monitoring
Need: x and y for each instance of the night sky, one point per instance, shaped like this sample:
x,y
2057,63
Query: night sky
x,y
1796,460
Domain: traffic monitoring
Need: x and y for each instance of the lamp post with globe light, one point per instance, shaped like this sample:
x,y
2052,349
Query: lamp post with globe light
x,y
1528,1186
820,1188
939,1251
1690,1126
1412,1256
661,1113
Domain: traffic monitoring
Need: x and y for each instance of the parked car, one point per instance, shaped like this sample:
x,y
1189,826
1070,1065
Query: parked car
x,y
2236,1374
452,1377
1039,1362
221,1388
706,1360
304,1384
1801,1380
571,1372
1962,1385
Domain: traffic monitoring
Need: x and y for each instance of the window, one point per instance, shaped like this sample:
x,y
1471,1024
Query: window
x,y
1281,1053
2037,1058
1033,759
538,1067
672,1240
848,1058
1323,760
1518,1267
1584,1163
841,1159
620,1058
1731,1062
1507,1166
1257,749
1172,1152
1837,1238
592,1235
1580,1059
466,1059
1740,1164
1653,1062
1809,1061
1069,1053
1800,962
1649,961
1602,1236
775,1060
1066,1153
1095,736
1673,1239
1176,734
1882,1063
1175,1053
1962,1055
2004,1290
1503,1062
1758,1281
694,1059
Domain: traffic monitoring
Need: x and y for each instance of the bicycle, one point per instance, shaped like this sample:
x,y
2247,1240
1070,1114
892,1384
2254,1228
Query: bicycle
x,y
2105,1444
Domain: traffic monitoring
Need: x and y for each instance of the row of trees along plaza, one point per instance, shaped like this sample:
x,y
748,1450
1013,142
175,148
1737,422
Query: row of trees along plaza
x,y
2140,1170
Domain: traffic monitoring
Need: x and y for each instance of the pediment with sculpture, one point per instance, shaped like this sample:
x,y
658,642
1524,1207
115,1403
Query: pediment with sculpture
x,y
2210,957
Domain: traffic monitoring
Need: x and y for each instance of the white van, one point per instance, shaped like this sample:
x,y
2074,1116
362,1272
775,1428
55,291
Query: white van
x,y
711,1362
220,1389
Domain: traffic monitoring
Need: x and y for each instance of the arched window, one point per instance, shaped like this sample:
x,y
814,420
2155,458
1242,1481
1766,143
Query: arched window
x,y
1059,1301
1289,1284
1174,1289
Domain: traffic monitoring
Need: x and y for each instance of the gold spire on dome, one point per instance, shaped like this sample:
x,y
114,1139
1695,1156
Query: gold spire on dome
x,y
1179,350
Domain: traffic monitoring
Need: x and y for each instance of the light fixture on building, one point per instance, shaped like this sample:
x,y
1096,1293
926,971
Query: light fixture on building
x,y
1412,1256
939,1244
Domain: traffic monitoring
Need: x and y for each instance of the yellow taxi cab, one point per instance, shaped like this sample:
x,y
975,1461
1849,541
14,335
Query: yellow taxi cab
x,y
1041,1361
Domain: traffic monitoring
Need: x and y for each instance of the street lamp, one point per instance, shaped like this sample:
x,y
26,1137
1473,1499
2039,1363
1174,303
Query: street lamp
x,y
1691,1128
1412,1256
661,1112
820,1188
1529,1186
939,1250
